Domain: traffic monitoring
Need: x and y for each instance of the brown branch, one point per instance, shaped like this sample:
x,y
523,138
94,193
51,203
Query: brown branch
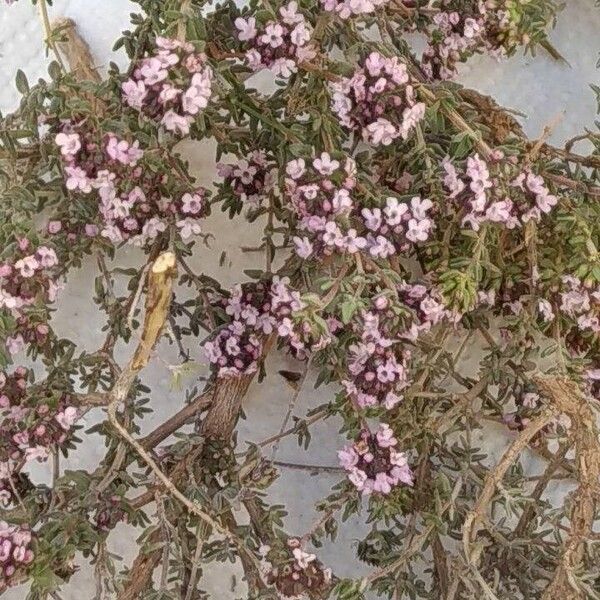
x,y
568,398
530,509
186,415
415,545
225,403
496,475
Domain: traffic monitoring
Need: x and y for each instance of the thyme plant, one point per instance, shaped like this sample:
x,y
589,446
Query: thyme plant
x,y
401,218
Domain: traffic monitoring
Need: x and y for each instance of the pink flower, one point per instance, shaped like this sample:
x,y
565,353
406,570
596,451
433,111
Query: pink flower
x,y
27,266
67,418
246,27
77,179
325,165
372,218
192,203
53,289
382,484
419,207
273,35
381,247
545,309
91,230
168,93
284,67
15,344
304,248
54,226
135,93
348,458
358,478
289,13
394,211
46,257
176,123
381,132
418,231
332,235
199,92
122,151
385,436
245,172
69,143
152,71
300,35
303,559
37,452
188,227
296,168
153,227
352,242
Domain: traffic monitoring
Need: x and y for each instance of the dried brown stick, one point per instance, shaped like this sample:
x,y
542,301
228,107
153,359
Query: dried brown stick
x,y
75,49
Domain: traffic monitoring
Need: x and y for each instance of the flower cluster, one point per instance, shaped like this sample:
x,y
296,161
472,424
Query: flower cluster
x,y
278,45
373,463
351,8
140,216
454,36
331,220
30,429
250,179
15,553
320,195
130,200
294,572
378,361
466,27
378,100
234,351
27,280
484,198
581,303
427,308
259,309
172,86
400,224
377,364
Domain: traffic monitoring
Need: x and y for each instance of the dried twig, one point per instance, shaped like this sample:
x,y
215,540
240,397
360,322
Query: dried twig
x,y
75,49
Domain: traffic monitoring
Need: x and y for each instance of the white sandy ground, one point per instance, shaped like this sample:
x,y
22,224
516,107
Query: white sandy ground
x,y
539,87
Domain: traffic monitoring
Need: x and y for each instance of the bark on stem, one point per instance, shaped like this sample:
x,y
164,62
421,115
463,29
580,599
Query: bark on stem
x,y
568,398
495,476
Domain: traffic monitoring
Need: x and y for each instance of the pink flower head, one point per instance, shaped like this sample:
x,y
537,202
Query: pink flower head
x,y
67,418
69,144
77,179
135,93
27,266
296,168
246,28
46,257
325,165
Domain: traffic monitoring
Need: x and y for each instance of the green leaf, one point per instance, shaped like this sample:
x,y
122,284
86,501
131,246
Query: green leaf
x,y
21,82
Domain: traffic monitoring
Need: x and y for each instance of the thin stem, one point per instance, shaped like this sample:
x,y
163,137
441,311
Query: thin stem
x,y
48,32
